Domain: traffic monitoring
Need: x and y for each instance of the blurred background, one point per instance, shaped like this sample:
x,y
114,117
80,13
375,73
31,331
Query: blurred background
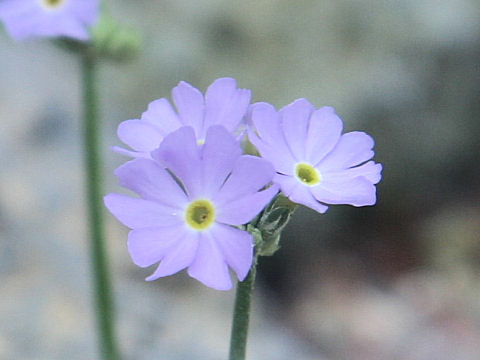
x,y
400,280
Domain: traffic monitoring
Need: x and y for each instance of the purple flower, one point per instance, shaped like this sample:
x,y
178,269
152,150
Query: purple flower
x,y
224,104
315,163
50,18
191,200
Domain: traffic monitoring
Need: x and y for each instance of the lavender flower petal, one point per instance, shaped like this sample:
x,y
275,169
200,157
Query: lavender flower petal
x,y
225,104
139,213
190,105
237,248
219,154
298,193
148,246
249,174
67,26
129,153
241,210
139,135
178,257
303,195
151,182
161,114
352,149
370,170
295,121
357,192
181,155
209,265
21,8
268,138
84,11
323,134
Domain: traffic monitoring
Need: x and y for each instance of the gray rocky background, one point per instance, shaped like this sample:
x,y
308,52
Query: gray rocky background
x,y
399,281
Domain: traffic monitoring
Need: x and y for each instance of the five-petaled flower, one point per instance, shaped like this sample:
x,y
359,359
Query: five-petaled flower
x,y
223,104
49,18
192,200
315,163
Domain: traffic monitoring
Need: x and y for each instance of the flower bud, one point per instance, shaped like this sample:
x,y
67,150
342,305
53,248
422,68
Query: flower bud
x,y
115,41
268,228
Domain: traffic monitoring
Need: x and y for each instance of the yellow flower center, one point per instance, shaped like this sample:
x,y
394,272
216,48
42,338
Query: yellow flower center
x,y
307,174
51,4
200,214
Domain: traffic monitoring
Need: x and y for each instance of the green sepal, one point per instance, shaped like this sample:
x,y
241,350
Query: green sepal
x,y
267,227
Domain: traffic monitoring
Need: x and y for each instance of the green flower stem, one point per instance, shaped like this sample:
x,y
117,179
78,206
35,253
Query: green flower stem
x,y
241,315
93,164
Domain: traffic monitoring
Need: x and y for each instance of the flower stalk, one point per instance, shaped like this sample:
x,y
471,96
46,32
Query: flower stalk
x,y
93,164
266,230
241,315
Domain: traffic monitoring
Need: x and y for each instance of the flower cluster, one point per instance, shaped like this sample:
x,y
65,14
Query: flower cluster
x,y
49,18
197,188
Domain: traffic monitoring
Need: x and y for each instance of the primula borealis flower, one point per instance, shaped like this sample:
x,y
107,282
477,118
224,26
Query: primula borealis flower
x,y
315,163
223,104
188,220
49,18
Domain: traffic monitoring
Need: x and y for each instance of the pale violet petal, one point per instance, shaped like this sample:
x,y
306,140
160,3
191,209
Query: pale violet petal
x,y
287,183
352,149
225,104
139,135
281,159
139,213
179,256
323,134
299,193
130,153
161,114
370,170
265,122
249,174
242,210
303,195
357,192
152,182
148,246
64,26
190,106
295,120
266,135
209,266
236,246
219,154
15,8
85,11
180,154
